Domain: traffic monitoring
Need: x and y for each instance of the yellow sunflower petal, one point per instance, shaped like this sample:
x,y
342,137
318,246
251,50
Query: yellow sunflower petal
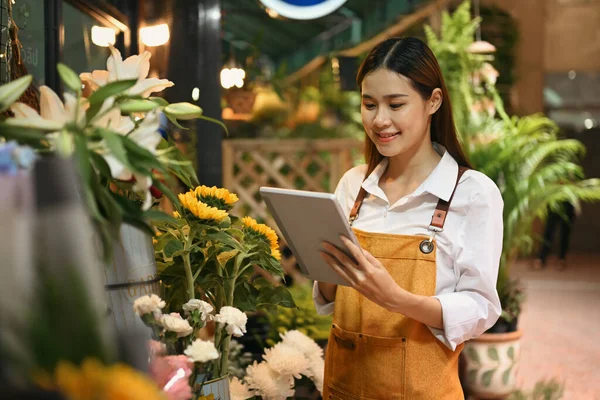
x,y
267,232
217,193
201,210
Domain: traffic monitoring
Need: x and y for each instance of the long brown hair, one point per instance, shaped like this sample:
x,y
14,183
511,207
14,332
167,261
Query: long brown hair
x,y
415,60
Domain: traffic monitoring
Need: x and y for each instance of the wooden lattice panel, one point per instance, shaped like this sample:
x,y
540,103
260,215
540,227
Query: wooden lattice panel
x,y
315,165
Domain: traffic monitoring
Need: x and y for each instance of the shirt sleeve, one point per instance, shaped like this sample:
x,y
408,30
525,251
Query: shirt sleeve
x,y
474,306
341,193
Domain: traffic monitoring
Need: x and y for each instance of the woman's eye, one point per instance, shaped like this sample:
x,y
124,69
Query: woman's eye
x,y
369,106
396,106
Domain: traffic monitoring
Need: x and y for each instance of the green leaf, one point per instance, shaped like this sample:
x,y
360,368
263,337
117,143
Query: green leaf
x,y
278,296
493,353
114,142
159,100
175,122
100,164
172,247
511,352
69,77
225,256
472,376
38,124
245,297
486,378
473,355
22,135
157,215
183,111
506,375
11,91
144,161
216,121
134,106
110,90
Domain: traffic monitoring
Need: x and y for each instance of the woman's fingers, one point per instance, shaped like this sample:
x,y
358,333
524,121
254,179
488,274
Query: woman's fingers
x,y
371,258
339,254
357,253
337,267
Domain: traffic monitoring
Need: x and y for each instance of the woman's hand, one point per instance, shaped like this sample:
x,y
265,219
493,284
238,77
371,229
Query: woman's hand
x,y
367,275
370,278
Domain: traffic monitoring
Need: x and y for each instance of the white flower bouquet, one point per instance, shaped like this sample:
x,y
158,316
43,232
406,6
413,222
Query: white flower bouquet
x,y
296,356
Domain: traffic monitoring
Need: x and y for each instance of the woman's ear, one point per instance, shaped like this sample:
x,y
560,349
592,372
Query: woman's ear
x,y
435,101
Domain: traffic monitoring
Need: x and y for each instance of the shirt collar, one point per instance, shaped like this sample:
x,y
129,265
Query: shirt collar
x,y
440,182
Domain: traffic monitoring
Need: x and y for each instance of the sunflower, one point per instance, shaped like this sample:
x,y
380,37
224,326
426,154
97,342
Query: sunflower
x,y
220,198
201,210
95,380
264,232
176,215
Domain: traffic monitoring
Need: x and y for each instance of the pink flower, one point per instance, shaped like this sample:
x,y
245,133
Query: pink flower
x,y
172,374
156,348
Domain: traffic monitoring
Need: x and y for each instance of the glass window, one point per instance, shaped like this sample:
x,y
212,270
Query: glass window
x,y
80,52
28,15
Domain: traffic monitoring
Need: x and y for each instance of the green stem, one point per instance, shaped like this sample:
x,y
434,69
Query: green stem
x,y
229,302
188,275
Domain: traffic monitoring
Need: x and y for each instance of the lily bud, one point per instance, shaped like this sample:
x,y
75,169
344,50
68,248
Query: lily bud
x,y
183,111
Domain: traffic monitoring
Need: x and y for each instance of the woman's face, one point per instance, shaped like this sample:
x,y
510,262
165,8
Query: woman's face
x,y
394,114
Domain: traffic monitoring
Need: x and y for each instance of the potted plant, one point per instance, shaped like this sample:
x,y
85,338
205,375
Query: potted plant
x,y
533,168
206,258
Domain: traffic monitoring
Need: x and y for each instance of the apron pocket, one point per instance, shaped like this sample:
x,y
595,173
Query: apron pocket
x,y
383,367
344,367
366,367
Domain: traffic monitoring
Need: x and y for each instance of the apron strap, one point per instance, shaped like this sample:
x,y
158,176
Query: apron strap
x,y
439,216
357,204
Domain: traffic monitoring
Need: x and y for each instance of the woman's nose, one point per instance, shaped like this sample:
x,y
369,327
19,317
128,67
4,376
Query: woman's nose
x,y
382,120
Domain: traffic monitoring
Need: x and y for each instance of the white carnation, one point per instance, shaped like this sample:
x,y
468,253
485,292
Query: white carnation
x,y
238,390
174,323
148,304
235,320
201,351
317,368
202,306
300,341
268,383
287,360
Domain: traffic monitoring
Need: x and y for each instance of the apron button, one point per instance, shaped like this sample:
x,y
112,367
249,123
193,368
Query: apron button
x,y
426,246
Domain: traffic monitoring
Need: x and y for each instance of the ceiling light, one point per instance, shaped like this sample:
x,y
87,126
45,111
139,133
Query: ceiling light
x,y
155,35
102,36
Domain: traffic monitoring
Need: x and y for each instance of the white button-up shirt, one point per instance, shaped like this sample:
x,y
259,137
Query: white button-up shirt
x,y
467,252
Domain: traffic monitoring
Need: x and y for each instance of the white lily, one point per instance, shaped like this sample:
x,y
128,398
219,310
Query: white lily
x,y
134,67
53,113
146,135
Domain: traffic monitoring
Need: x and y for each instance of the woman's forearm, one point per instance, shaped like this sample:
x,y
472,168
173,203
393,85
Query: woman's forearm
x,y
425,309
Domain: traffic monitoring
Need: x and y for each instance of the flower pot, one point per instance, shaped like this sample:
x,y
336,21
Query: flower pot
x,y
218,388
491,364
132,274
240,100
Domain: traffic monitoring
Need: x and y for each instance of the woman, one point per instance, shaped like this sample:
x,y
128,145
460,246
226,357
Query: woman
x,y
431,236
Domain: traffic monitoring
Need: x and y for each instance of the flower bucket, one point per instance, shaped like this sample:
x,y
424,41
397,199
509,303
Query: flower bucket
x,y
491,362
215,389
132,274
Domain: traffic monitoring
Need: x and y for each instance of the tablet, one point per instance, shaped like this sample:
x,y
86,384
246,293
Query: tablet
x,y
306,219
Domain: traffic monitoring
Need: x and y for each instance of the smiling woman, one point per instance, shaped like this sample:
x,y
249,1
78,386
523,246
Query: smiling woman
x,y
423,280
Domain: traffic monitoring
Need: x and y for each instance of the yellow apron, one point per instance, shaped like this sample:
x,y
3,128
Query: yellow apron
x,y
376,354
